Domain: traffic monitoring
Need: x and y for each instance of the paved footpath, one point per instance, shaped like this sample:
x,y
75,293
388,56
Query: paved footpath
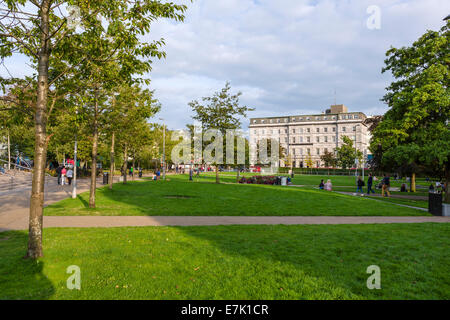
x,y
14,211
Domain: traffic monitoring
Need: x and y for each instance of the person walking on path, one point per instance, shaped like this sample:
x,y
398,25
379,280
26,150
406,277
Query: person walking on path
x,y
58,172
69,176
360,185
369,184
385,186
63,175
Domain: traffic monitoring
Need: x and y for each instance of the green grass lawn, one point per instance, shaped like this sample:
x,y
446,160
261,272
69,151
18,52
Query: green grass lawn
x,y
232,262
205,198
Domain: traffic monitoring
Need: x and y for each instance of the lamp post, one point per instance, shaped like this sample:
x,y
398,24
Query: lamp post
x,y
164,149
74,185
356,153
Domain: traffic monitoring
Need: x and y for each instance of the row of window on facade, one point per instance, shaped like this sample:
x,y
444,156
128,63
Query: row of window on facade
x,y
319,139
324,118
300,130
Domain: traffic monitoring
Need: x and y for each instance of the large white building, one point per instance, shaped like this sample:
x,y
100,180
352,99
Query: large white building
x,y
310,136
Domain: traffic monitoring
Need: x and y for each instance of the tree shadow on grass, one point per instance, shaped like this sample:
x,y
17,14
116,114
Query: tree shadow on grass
x,y
21,278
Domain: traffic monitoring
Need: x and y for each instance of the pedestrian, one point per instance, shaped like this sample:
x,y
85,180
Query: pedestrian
x,y
360,183
63,176
328,185
158,174
69,176
385,186
58,173
321,185
130,171
369,184
403,188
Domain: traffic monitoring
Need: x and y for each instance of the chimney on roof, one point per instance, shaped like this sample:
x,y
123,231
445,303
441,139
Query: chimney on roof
x,y
338,108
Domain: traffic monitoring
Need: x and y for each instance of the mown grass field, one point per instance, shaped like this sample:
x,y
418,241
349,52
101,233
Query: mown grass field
x,y
232,262
202,197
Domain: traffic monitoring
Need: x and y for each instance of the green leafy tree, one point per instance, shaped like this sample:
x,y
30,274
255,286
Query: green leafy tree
x,y
329,159
221,112
41,31
346,153
415,131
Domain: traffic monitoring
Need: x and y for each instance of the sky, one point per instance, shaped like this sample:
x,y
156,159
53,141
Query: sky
x,y
287,57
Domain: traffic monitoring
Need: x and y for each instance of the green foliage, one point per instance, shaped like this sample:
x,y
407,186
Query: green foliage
x,y
415,130
329,159
346,154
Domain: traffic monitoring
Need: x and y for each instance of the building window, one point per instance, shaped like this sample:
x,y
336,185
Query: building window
x,y
300,130
344,129
317,130
301,139
293,140
354,128
325,130
308,151
285,131
318,151
263,132
325,139
325,150
308,139
308,130
255,132
308,118
334,118
278,120
317,139
334,138
285,140
350,117
334,129
356,116
293,131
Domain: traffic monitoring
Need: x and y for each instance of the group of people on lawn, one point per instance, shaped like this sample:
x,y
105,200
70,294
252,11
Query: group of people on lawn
x,y
385,185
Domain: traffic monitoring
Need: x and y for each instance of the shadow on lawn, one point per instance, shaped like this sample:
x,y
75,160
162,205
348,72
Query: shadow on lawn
x,y
21,278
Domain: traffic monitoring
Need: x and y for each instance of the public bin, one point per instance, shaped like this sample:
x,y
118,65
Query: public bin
x,y
105,177
435,203
284,181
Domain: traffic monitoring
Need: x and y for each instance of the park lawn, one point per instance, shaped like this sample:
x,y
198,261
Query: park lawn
x,y
179,197
231,262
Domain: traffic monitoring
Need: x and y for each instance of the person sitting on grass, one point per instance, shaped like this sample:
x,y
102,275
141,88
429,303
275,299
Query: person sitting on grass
x,y
328,185
403,188
321,185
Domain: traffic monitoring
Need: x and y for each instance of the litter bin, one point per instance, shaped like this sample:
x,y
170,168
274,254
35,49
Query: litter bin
x,y
105,177
284,181
435,204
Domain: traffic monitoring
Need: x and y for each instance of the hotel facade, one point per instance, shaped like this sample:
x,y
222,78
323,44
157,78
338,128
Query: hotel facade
x,y
308,137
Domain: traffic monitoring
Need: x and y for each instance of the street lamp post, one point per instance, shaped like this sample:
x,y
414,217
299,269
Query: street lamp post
x,y
164,149
74,185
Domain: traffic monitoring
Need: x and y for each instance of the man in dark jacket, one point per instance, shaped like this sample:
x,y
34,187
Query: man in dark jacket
x,y
369,184
360,185
58,172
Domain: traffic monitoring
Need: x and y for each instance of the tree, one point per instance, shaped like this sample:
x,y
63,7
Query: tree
x,y
40,31
346,154
220,112
415,131
329,159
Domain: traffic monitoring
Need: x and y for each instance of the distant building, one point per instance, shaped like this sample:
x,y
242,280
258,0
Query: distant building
x,y
310,136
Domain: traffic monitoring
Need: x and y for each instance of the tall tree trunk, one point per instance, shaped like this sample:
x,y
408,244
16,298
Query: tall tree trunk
x,y
217,174
40,147
125,164
237,175
94,154
413,182
111,167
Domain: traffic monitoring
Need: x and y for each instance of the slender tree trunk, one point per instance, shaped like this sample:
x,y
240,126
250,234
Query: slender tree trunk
x,y
94,154
413,182
237,175
217,174
125,164
111,168
40,147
